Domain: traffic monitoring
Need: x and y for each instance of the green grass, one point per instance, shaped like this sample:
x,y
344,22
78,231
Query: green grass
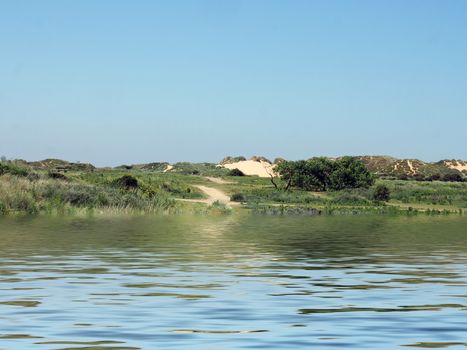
x,y
406,196
431,193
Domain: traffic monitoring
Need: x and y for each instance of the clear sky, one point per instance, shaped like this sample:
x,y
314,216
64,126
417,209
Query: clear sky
x,y
114,82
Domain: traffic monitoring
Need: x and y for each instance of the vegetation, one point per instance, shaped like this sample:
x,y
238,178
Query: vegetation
x,y
230,159
414,169
13,169
203,169
322,174
314,187
381,193
236,172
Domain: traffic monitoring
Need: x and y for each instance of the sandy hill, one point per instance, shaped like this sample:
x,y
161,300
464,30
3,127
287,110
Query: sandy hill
x,y
259,166
382,166
392,167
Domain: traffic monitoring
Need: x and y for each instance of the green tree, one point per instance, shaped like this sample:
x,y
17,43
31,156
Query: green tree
x,y
322,174
350,172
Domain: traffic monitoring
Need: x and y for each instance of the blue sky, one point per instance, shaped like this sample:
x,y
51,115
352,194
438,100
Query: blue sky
x,y
114,82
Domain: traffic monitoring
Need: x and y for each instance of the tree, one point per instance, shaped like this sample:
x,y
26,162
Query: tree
x,y
286,171
322,174
350,172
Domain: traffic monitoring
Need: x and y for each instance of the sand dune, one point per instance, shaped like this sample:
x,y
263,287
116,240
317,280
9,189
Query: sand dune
x,y
458,165
251,167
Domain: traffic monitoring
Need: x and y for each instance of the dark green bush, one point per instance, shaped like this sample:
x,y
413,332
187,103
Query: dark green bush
x,y
236,172
381,193
57,176
452,177
237,197
126,182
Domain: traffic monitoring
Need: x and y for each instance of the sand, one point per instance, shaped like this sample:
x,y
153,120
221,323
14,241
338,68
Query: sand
x,y
458,165
214,195
169,167
411,167
218,180
251,167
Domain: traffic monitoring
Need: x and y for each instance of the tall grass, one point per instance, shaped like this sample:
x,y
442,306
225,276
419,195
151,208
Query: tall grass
x,y
19,194
436,192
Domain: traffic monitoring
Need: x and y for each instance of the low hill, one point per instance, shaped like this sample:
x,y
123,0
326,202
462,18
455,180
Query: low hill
x,y
60,165
389,167
381,166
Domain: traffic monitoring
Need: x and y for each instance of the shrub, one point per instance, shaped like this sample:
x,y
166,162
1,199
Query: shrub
x,y
124,167
56,176
79,196
381,193
237,197
452,177
13,169
236,172
126,182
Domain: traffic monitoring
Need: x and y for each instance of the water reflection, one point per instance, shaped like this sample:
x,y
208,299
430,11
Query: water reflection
x,y
232,282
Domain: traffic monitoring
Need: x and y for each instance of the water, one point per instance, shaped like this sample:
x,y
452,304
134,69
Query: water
x,y
233,283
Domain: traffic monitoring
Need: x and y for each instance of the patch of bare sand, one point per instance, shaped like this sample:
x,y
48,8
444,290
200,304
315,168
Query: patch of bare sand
x,y
218,180
252,167
214,195
169,167
458,165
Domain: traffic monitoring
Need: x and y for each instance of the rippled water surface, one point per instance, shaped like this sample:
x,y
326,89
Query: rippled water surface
x,y
233,282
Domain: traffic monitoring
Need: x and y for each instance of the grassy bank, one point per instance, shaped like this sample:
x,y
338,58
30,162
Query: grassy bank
x,y
23,190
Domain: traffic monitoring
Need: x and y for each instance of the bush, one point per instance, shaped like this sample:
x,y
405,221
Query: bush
x,y
381,193
124,167
236,172
452,177
56,176
237,197
13,169
126,182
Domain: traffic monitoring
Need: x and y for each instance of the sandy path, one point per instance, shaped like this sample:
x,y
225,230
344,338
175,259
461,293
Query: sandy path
x,y
217,180
411,167
214,195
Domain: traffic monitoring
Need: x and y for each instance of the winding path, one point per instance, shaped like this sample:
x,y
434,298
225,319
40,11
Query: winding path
x,y
214,195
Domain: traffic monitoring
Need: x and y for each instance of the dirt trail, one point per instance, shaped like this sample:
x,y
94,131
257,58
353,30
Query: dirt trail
x,y
217,180
214,195
411,167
